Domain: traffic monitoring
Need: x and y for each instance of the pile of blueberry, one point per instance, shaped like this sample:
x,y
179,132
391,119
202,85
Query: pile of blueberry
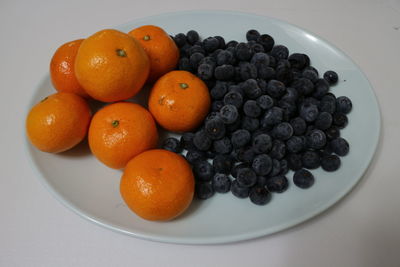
x,y
271,113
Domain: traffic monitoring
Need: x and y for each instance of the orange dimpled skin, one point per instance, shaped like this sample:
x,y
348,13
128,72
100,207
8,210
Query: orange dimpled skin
x,y
111,66
62,69
159,46
58,122
158,185
120,131
179,101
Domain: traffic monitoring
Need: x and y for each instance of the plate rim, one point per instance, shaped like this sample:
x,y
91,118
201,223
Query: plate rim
x,y
224,239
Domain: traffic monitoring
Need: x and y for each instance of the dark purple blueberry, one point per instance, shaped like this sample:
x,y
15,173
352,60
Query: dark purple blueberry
x,y
259,59
247,70
234,126
283,131
276,88
221,183
330,163
266,41
225,57
201,140
316,139
340,146
219,90
217,105
303,86
195,59
215,128
321,87
232,43
309,112
276,168
187,140
251,89
297,61
196,49
265,102
224,72
250,124
291,95
343,104
251,109
323,121
262,143
340,120
331,77
280,52
233,98
311,159
238,167
252,35
295,144
210,44
221,42
192,37
246,177
295,161
205,71
222,146
310,73
243,52
180,39
278,150
239,191
266,72
194,155
240,138
228,114
203,170
277,184
223,163
257,48
204,190
262,164
272,117
259,195
172,144
328,104
184,64
299,125
284,167
303,178
208,60
332,133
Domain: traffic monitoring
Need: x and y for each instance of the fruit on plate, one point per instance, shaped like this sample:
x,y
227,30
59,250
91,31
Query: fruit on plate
x,y
62,69
120,131
58,123
179,101
160,47
158,185
111,66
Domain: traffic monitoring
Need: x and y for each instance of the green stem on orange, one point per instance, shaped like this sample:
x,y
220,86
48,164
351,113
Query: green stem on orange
x,y
183,85
115,123
121,52
146,37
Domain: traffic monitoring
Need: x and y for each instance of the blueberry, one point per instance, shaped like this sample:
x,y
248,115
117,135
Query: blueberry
x,y
259,59
276,168
221,183
257,48
250,124
303,86
244,154
265,72
307,60
246,177
211,115
234,126
222,163
243,52
208,60
332,133
262,181
239,191
340,146
172,144
251,109
297,61
278,150
295,161
210,154
303,178
184,50
233,98
237,167
330,163
283,71
296,74
277,184
309,112
205,71
224,72
192,37
222,146
343,104
321,88
219,90
204,190
180,39
310,100
252,35
203,170
251,89
215,128
272,117
262,143
210,44
221,42
196,49
194,60
323,121
187,140
327,104
228,114
266,41
259,195
262,164
184,64
194,155
316,139
284,167
310,73
247,70
340,120
289,109
225,57
240,138
276,88
331,77
217,105
311,159
201,140
295,144
326,151
280,52
265,102
291,95
232,43
236,88
283,131
299,125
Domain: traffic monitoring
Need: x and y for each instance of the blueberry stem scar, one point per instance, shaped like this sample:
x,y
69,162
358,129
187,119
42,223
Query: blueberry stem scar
x,y
183,85
115,123
121,52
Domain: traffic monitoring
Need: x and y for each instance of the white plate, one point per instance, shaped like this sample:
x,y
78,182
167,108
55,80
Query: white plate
x,y
90,189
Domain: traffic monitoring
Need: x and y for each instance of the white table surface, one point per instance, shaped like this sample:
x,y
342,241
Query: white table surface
x,y
36,230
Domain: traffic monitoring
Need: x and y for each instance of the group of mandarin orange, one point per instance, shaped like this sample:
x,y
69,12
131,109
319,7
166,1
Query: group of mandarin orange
x,y
111,66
